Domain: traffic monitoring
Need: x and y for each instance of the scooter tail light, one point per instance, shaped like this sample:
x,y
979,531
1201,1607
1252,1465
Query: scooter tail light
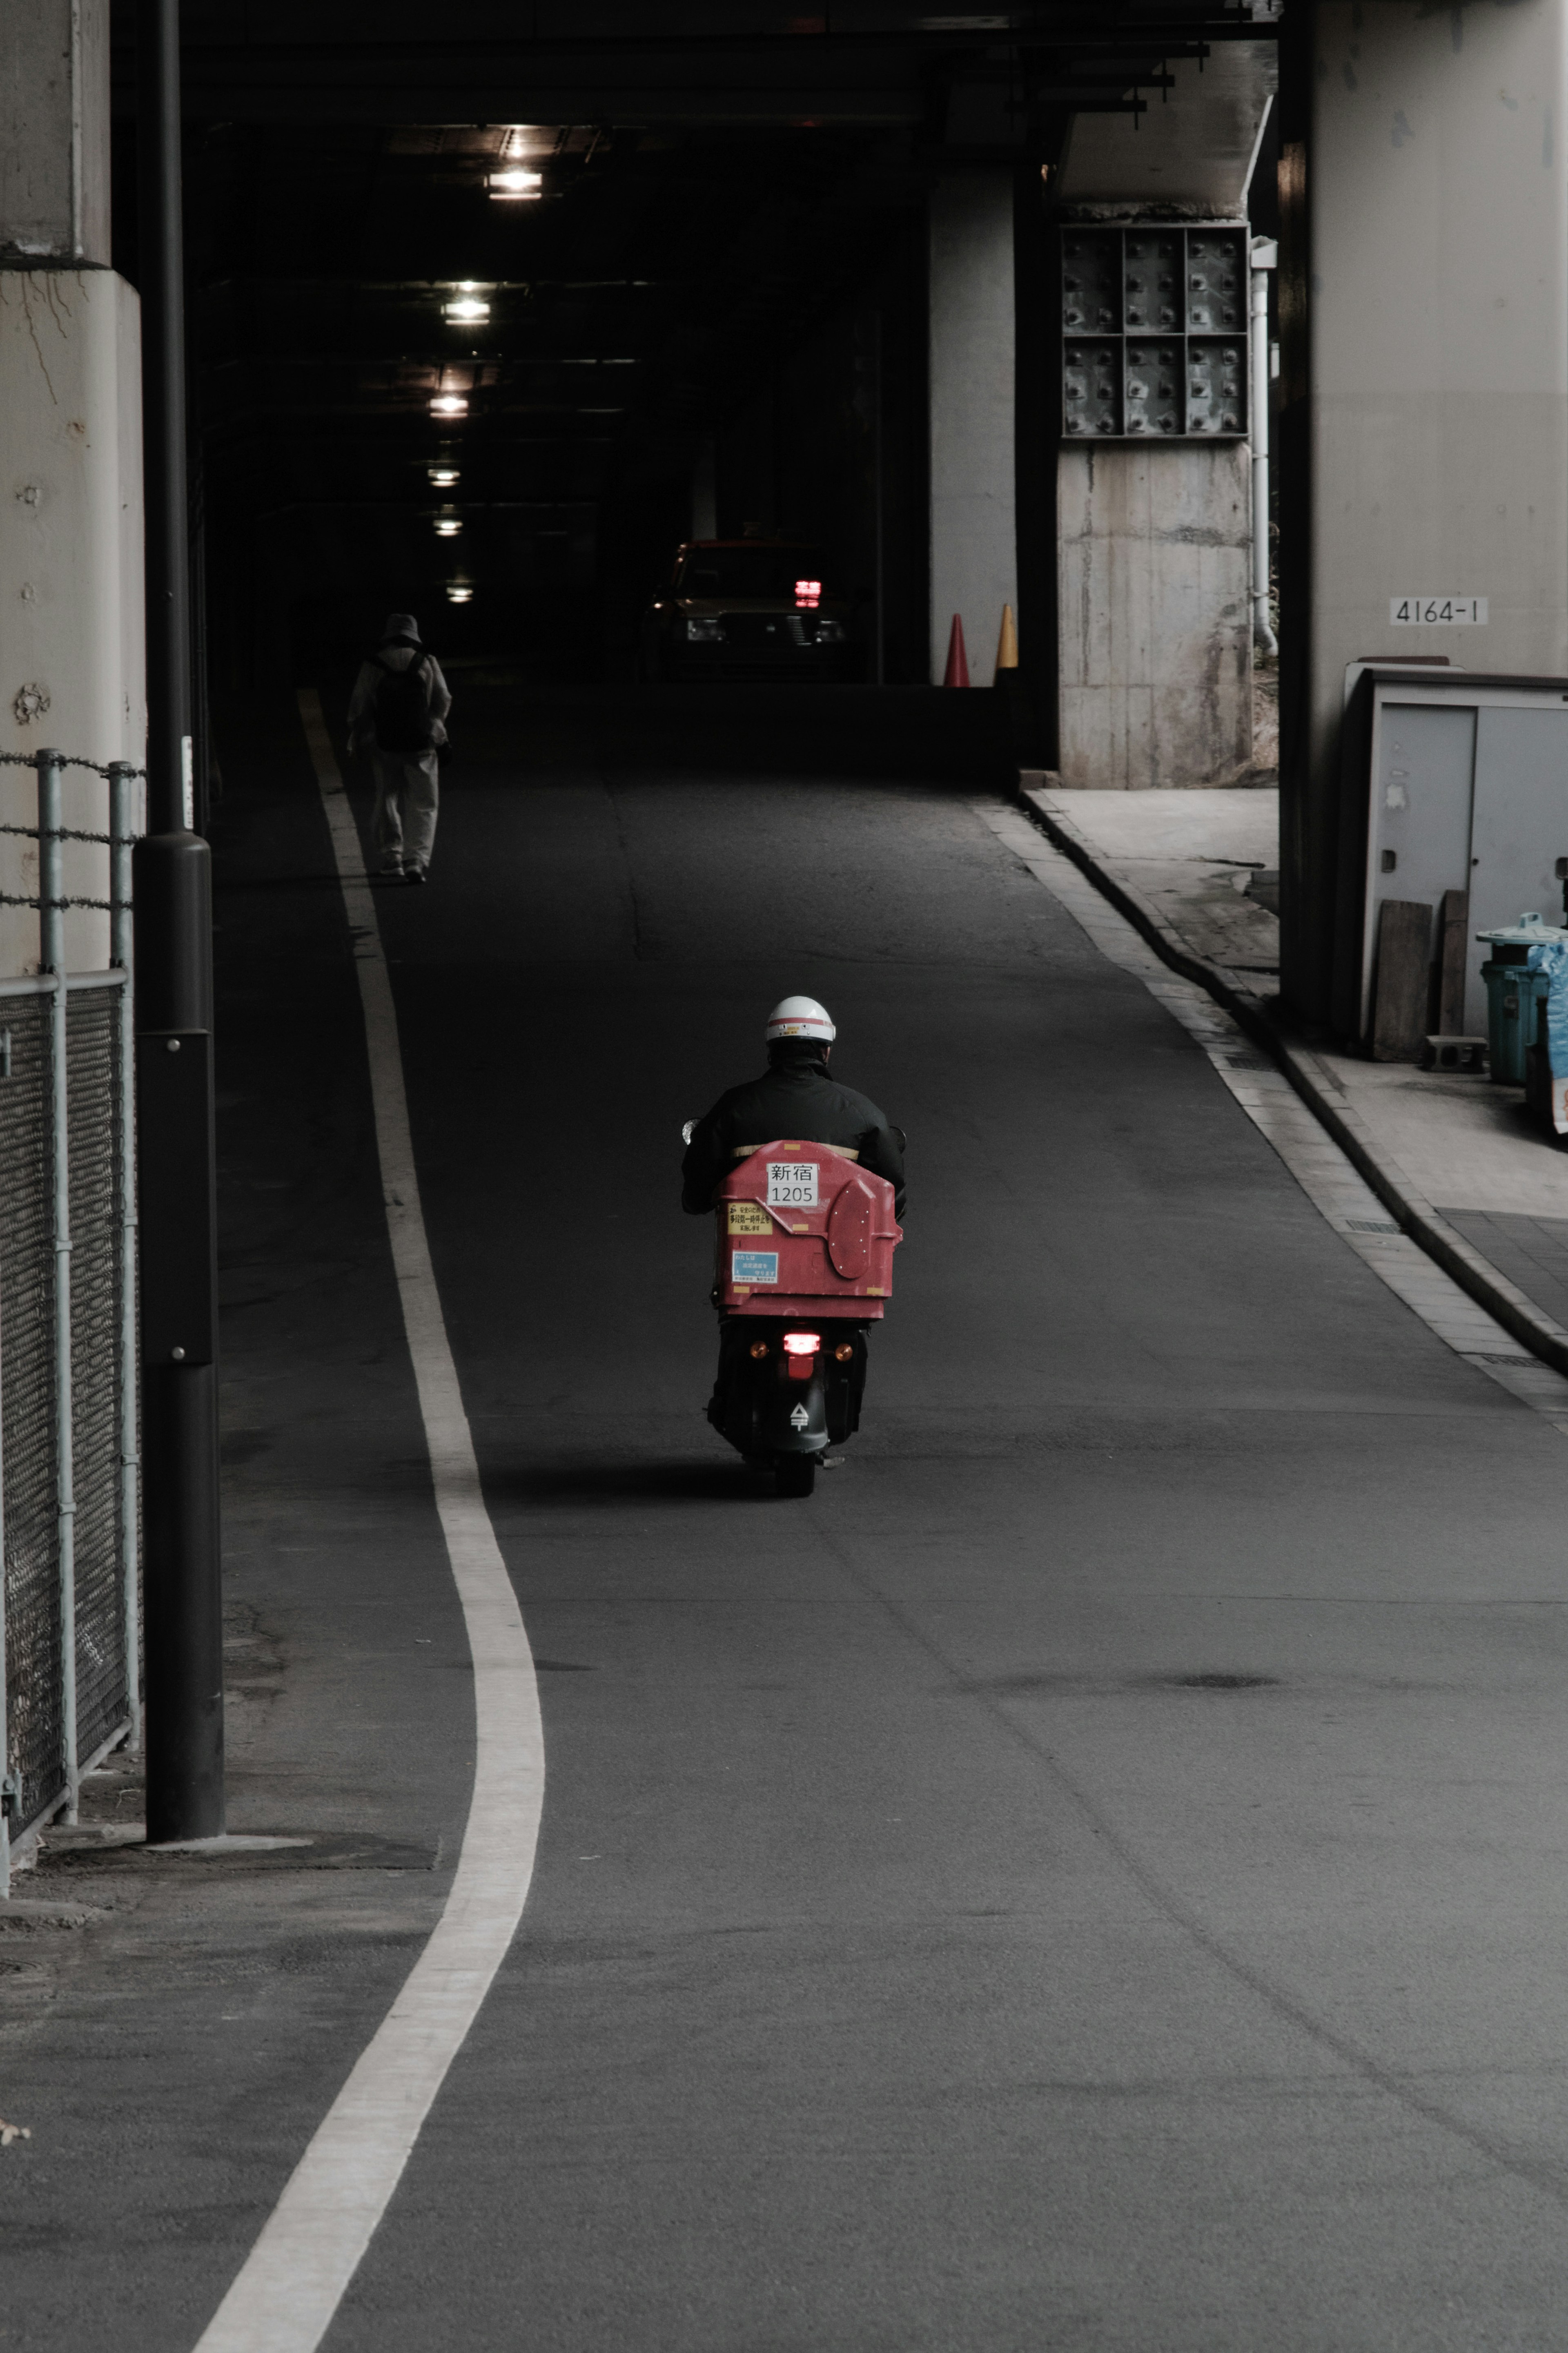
x,y
802,1343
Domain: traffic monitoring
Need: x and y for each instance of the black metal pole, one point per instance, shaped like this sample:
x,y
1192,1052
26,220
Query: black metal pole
x,y
182,1575
877,497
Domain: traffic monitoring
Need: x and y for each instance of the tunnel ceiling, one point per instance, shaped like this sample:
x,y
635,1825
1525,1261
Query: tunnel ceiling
x,y
711,178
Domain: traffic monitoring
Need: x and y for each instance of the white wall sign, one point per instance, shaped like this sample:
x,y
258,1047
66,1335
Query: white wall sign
x,y
1437,612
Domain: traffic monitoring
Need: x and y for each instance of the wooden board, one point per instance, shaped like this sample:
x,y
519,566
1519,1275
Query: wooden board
x,y
1400,990
1453,925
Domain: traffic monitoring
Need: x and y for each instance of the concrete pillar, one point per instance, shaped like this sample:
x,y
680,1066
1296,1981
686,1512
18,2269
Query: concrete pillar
x,y
974,525
1424,307
1155,539
1156,617
54,133
72,637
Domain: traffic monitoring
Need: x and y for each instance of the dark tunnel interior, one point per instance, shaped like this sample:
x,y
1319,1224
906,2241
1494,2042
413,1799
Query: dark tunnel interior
x,y
410,389
484,318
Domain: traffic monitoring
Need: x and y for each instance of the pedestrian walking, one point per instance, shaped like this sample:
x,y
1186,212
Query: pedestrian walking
x,y
397,713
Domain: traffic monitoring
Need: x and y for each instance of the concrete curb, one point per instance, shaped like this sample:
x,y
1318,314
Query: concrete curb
x,y
1316,1085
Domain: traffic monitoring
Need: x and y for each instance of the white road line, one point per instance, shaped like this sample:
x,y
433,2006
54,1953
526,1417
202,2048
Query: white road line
x,y
1323,1172
284,2299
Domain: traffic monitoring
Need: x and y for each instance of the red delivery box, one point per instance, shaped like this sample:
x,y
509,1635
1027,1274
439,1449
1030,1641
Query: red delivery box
x,y
804,1230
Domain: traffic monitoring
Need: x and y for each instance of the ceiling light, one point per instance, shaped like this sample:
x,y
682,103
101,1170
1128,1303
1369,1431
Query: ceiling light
x,y
513,186
448,404
444,477
466,311
457,593
448,526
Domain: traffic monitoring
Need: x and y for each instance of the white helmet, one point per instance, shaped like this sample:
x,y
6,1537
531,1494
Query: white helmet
x,y
800,1016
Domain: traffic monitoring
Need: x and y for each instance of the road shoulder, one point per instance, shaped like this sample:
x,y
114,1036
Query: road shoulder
x,y
1312,1079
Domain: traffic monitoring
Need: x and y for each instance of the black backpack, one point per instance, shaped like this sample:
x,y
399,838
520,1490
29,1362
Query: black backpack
x,y
402,708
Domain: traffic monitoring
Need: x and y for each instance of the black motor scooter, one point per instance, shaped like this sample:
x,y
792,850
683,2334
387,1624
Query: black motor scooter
x,y
786,1391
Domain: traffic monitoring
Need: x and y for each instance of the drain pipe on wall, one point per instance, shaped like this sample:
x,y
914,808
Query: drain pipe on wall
x,y
1265,257
124,829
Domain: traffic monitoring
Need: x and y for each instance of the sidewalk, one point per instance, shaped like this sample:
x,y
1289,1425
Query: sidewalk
x,y
1455,1159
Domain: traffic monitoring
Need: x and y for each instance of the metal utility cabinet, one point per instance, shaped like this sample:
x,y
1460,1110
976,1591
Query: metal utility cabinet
x,y
1451,781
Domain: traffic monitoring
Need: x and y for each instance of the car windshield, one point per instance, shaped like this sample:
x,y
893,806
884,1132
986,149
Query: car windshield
x,y
773,572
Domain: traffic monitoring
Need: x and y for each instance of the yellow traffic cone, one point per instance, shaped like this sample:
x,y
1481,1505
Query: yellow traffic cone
x,y
1007,643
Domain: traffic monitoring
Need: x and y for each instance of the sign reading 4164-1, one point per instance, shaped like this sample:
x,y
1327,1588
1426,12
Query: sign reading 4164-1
x,y
1437,612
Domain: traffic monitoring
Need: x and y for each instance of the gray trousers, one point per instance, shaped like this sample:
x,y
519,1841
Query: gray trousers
x,y
408,796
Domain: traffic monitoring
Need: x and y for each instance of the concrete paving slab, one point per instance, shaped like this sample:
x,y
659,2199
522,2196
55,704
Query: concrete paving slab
x,y
1236,825
1468,1143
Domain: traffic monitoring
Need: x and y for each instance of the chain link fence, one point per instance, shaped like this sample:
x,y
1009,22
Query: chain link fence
x,y
70,1604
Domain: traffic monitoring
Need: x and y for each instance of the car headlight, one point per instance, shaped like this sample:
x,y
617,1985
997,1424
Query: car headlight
x,y
830,633
704,628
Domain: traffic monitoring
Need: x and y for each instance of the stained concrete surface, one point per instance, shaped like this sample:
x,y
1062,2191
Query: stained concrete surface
x,y
1205,858
927,1951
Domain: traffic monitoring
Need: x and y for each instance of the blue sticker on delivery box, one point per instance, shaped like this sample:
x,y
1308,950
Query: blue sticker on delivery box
x,y
753,1266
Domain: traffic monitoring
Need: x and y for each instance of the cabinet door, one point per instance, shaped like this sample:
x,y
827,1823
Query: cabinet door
x,y
1419,836
1519,831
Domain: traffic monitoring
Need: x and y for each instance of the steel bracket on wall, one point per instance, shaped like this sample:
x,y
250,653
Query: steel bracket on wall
x,y
1155,331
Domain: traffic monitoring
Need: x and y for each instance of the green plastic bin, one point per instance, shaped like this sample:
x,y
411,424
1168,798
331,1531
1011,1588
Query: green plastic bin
x,y
1514,992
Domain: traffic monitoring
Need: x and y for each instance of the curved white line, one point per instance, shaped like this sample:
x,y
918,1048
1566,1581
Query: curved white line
x,y
294,2278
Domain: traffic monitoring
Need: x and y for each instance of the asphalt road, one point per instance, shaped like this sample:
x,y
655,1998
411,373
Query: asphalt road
x,y
1093,1876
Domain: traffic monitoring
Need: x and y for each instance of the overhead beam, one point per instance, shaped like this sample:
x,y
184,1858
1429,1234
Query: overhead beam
x,y
838,81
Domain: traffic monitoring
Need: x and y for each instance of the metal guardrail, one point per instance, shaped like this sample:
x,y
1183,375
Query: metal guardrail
x,y
70,1504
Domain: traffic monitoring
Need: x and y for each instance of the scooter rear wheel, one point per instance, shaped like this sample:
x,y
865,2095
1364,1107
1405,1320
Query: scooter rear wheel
x,y
795,1474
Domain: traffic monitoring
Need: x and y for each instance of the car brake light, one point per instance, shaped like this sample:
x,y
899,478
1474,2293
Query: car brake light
x,y
802,1343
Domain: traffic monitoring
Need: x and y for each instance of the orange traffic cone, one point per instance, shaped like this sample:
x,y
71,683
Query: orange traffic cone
x,y
957,670
1007,643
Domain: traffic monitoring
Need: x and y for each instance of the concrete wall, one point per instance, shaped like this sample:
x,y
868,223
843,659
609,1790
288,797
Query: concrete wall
x,y
1424,226
71,613
974,524
1156,614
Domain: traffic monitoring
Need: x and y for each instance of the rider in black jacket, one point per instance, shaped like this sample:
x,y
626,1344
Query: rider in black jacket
x,y
797,1097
